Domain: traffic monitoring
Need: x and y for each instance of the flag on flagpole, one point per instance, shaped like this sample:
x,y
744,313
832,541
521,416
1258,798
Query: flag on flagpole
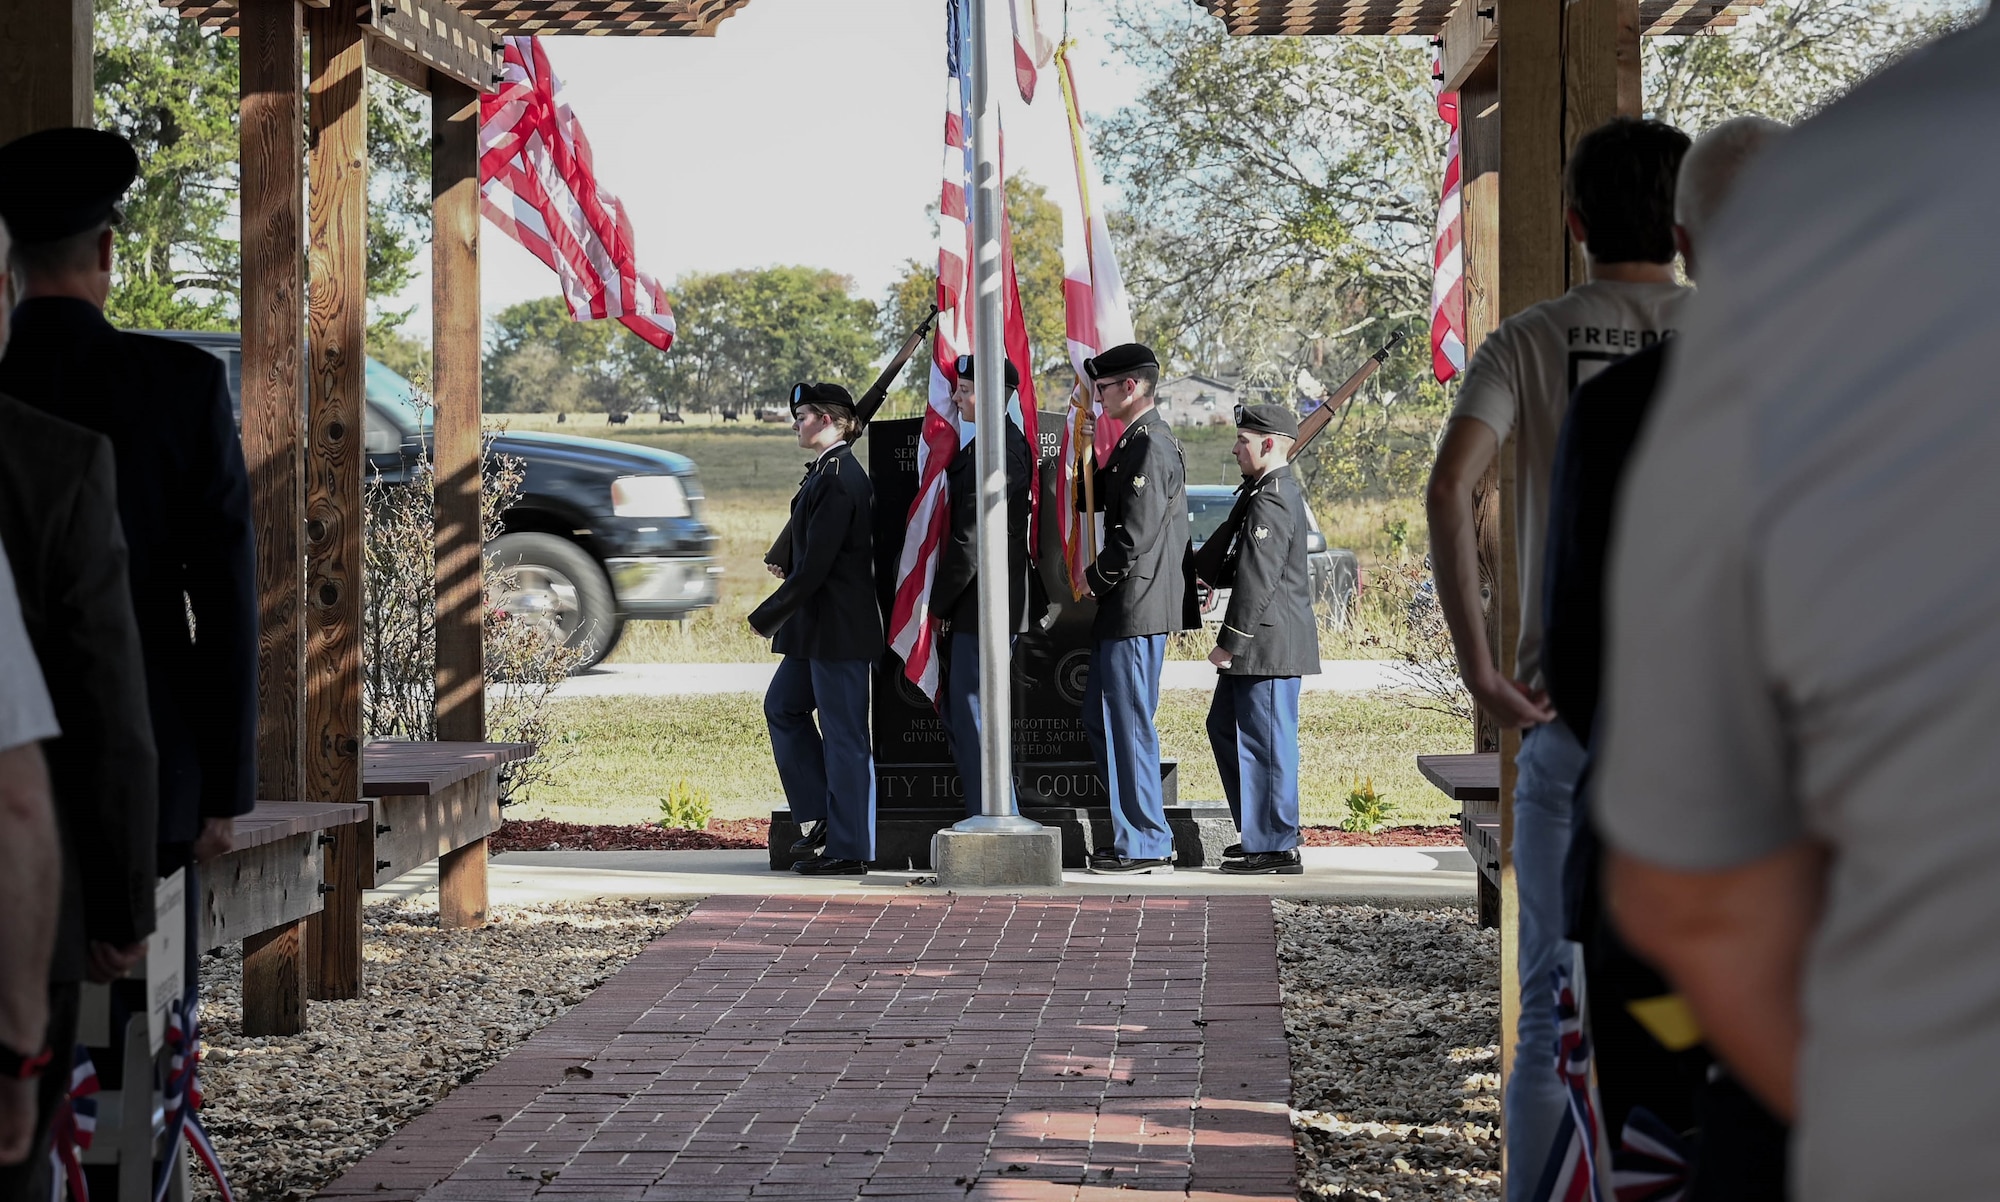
x,y
1448,252
1019,353
1096,316
1031,46
537,182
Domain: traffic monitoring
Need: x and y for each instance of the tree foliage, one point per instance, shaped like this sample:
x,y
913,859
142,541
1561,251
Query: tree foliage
x,y
538,360
172,87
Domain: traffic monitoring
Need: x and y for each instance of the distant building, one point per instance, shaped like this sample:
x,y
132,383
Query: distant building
x,y
1197,400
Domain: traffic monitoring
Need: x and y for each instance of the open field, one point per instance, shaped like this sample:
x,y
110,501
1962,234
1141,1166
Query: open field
x,y
624,754
750,469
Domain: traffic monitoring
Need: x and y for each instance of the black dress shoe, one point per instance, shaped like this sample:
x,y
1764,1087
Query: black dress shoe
x,y
1233,852
823,866
811,840
1120,866
1264,863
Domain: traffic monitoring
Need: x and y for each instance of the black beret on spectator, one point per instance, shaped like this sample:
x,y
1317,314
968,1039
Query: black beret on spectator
x,y
1268,419
826,396
1119,360
61,182
965,371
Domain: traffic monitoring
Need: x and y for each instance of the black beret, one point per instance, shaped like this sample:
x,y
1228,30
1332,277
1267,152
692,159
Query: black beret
x,y
61,182
826,396
965,371
1120,360
1268,419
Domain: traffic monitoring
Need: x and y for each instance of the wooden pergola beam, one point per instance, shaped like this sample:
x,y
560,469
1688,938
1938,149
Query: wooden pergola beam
x,y
45,66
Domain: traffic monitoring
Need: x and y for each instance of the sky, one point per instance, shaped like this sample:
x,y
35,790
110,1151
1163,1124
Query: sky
x,y
805,132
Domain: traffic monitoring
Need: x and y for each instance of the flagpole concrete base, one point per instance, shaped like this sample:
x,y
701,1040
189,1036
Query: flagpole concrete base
x,y
987,859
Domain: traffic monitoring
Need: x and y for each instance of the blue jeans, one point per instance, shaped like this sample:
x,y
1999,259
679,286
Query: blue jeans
x,y
1253,725
1119,702
1546,774
829,778
962,720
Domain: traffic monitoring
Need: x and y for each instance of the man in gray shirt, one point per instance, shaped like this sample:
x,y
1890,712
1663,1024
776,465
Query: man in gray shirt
x,y
1800,764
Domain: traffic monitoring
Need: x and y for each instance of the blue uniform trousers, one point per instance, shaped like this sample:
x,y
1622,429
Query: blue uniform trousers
x,y
1119,702
829,778
1253,725
962,718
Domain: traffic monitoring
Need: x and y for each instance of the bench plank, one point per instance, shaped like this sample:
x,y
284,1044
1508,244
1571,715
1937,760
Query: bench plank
x,y
256,888
397,769
275,820
1471,777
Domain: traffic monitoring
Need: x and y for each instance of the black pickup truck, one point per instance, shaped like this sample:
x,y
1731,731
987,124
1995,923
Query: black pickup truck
x,y
604,533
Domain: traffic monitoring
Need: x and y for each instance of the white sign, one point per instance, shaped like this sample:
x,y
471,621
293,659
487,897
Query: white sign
x,y
166,955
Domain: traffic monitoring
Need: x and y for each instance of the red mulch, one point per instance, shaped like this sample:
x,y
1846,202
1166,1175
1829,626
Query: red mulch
x,y
745,833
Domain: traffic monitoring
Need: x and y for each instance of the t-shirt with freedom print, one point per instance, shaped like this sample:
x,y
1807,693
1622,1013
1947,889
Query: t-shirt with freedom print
x,y
1519,382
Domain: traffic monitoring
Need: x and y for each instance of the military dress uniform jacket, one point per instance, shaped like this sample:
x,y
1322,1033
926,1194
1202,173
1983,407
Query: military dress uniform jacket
x,y
59,524
826,607
955,587
184,502
1144,574
1269,629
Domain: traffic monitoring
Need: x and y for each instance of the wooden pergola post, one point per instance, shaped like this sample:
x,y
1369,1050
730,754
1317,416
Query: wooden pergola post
x,y
455,370
272,222
337,173
46,78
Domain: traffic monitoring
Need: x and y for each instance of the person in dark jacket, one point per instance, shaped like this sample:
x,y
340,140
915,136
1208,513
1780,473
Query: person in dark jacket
x,y
955,586
825,621
1267,643
59,528
1144,586
183,494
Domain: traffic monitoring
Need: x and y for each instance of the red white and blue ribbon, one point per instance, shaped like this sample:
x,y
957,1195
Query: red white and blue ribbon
x,y
183,1098
1572,1171
1652,1163
73,1127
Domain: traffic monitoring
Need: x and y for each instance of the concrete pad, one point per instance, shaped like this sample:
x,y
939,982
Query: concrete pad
x,y
1402,876
975,859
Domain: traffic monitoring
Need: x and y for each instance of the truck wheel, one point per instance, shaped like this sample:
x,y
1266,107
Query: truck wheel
x,y
550,579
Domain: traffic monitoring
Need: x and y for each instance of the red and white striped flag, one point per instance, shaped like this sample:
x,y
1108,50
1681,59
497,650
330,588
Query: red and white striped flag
x,y
537,183
1031,46
912,634
1448,257
1096,315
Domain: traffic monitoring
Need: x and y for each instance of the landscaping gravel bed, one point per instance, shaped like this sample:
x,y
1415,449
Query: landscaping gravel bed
x,y
1393,1018
288,1113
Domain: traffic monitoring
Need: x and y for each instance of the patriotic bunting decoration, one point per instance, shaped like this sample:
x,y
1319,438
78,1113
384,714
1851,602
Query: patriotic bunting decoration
x,y
1448,254
1031,46
1572,1171
538,183
1653,1162
183,1098
74,1126
1096,316
912,634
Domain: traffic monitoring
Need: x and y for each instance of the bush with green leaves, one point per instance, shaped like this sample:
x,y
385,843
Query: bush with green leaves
x,y
1367,810
686,808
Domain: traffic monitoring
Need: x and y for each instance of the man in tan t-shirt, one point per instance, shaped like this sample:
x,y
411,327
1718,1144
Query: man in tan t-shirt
x,y
1619,198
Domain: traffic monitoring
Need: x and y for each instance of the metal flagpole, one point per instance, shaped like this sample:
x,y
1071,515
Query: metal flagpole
x,y
996,708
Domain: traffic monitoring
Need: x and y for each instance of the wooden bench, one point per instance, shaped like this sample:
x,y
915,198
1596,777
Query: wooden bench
x,y
1473,780
436,801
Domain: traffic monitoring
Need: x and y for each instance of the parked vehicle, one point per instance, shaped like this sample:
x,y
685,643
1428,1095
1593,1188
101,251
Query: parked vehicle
x,y
1335,572
603,533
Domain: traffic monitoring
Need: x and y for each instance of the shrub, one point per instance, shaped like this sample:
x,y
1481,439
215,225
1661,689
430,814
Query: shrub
x,y
685,808
1367,810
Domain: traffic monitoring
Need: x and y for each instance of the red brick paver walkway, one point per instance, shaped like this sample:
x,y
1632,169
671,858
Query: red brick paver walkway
x,y
993,1049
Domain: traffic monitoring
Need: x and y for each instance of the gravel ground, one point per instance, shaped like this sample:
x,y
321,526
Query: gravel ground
x,y
289,1113
1393,1018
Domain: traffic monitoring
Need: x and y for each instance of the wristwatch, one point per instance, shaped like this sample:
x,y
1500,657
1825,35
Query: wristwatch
x,y
16,1067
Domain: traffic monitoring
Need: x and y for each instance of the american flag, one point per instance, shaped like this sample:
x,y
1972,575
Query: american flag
x,y
1096,315
911,632
1031,46
538,183
1448,255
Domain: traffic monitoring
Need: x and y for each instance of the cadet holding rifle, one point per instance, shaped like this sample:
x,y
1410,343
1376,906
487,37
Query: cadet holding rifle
x,y
1267,643
825,621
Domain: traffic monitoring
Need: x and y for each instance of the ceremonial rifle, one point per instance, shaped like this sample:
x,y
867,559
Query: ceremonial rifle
x,y
780,554
1211,562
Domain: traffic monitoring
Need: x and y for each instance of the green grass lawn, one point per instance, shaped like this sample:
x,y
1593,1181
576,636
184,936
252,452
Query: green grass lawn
x,y
625,753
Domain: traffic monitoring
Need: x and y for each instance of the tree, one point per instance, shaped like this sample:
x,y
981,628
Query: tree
x,y
539,360
171,87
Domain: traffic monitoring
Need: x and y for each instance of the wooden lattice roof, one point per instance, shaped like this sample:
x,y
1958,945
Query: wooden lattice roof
x,y
1427,17
601,18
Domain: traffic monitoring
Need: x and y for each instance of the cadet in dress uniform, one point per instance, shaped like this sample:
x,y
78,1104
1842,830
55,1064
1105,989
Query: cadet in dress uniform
x,y
955,587
1267,642
183,496
825,620
1144,587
